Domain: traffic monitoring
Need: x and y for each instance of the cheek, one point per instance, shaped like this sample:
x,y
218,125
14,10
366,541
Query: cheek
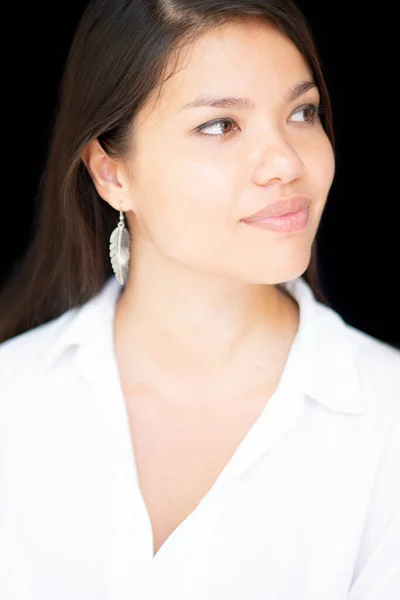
x,y
200,191
320,162
188,205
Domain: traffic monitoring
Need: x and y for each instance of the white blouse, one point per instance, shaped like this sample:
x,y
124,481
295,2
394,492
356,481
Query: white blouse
x,y
307,508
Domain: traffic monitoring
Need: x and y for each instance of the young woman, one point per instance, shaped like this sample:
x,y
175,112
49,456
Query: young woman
x,y
183,415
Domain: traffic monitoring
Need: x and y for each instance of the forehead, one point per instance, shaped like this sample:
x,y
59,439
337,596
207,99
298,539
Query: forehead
x,y
247,58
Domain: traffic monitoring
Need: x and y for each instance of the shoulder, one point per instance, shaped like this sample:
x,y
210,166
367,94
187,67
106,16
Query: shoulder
x,y
354,371
344,367
376,367
20,360
20,355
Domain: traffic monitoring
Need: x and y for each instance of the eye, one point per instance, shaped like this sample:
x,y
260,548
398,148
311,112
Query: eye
x,y
312,112
216,127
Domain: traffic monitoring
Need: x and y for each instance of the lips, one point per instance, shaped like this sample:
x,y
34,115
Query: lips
x,y
280,208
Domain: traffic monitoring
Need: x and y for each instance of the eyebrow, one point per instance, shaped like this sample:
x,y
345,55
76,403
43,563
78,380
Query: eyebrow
x,y
232,102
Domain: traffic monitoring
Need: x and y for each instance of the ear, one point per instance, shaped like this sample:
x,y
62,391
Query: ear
x,y
105,173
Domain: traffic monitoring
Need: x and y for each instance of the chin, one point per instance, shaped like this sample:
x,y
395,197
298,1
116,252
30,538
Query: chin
x,y
287,266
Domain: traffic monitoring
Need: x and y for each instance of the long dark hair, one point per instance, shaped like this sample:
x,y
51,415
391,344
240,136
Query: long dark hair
x,y
116,63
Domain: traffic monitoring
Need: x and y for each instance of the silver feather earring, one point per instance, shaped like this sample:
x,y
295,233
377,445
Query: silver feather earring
x,y
120,243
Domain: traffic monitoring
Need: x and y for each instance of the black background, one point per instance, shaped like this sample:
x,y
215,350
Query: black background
x,y
359,231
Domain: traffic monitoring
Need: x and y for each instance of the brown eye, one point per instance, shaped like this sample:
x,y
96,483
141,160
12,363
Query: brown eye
x,y
217,127
311,113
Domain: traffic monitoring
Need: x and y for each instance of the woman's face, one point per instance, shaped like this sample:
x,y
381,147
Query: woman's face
x,y
190,190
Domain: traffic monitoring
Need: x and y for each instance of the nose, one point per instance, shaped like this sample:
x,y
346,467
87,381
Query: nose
x,y
278,160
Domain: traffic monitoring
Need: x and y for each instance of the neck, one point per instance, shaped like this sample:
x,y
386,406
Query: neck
x,y
179,328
